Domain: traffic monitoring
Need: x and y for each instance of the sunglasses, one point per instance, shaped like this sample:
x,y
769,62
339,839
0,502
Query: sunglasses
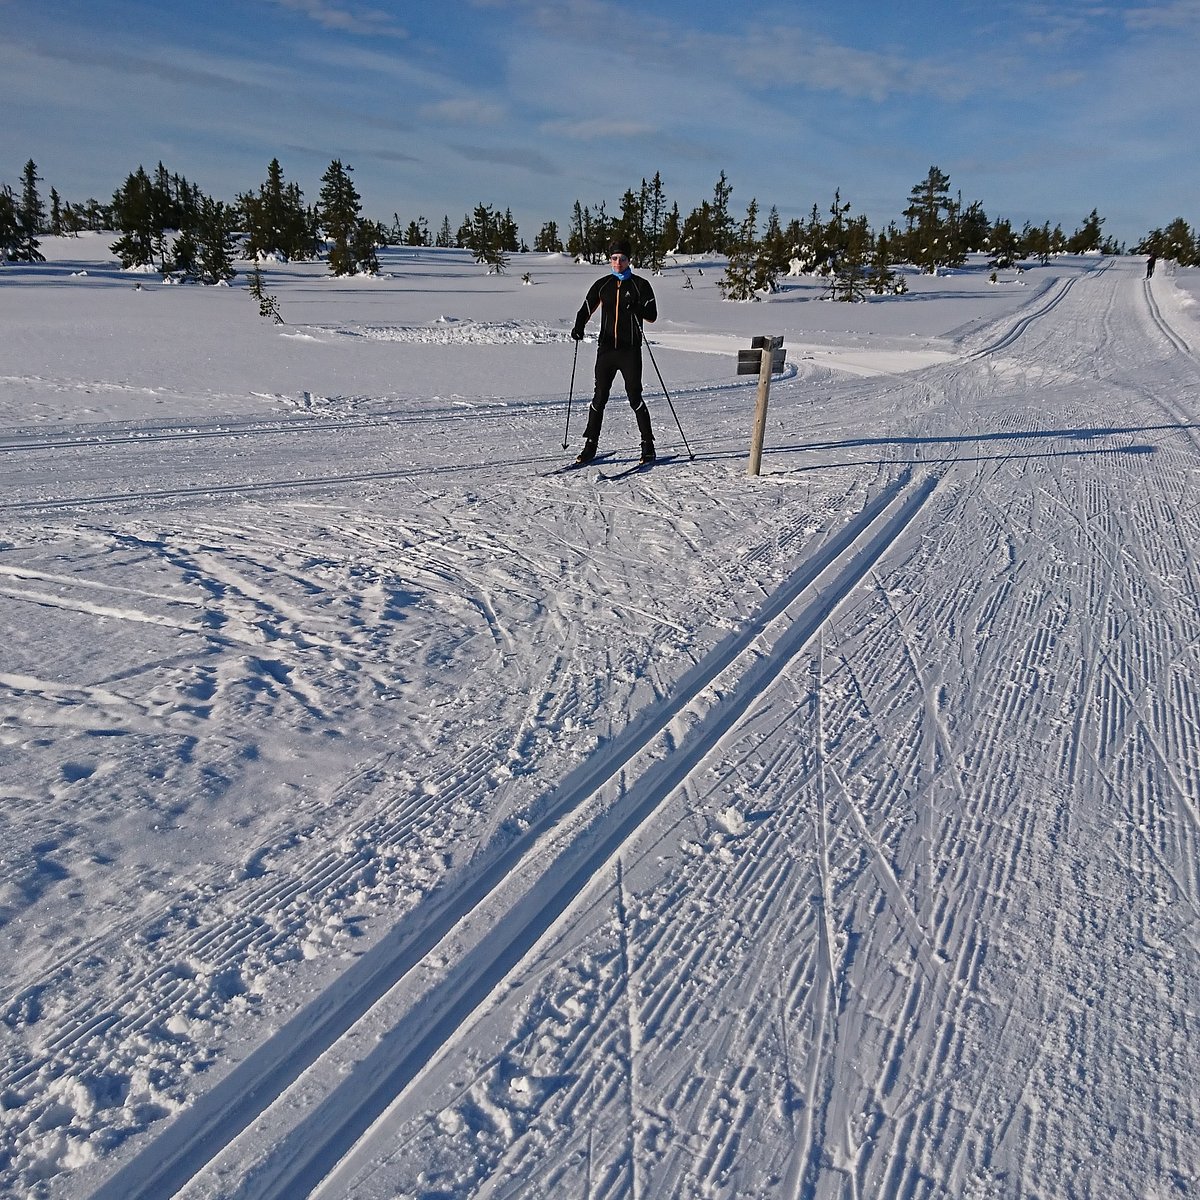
x,y
618,258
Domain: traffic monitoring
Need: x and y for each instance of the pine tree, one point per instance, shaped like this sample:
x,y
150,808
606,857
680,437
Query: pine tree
x,y
850,277
671,232
699,235
654,208
275,217
10,225
1087,238
709,229
973,227
630,225
510,235
882,280
722,221
1003,245
268,306
133,217
1035,242
775,251
368,236
350,249
929,231
31,217
547,240
487,239
811,252
836,232
56,213
1176,243
214,238
33,211
445,237
600,232
743,273
1180,244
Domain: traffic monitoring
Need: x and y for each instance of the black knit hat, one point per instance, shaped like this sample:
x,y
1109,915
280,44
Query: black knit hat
x,y
619,247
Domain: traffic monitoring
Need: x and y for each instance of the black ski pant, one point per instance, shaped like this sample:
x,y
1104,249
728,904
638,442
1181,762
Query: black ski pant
x,y
628,361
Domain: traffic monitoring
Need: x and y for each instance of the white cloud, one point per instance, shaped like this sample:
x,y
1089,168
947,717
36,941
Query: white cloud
x,y
466,110
370,21
598,128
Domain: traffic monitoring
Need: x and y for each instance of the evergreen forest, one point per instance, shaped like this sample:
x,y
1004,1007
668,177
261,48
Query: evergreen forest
x,y
167,224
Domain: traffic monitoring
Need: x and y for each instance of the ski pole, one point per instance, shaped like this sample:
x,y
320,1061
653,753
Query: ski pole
x,y
646,343
570,396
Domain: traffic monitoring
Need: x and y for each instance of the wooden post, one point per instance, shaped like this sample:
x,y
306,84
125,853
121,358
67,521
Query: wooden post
x,y
771,349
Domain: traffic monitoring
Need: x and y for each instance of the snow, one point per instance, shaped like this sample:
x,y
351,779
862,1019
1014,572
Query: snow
x,y
386,815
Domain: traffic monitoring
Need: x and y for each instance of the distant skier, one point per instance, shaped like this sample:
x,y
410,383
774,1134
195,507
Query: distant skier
x,y
1150,264
625,300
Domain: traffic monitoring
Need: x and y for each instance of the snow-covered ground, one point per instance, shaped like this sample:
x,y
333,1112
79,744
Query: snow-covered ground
x,y
386,815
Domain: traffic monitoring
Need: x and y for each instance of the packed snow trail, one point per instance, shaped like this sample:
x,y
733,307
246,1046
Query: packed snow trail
x,y
839,828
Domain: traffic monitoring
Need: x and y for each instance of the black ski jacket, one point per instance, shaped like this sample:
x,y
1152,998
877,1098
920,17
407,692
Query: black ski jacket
x,y
619,301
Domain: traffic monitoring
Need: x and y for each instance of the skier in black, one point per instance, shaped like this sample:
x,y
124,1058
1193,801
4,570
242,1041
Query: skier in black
x,y
625,300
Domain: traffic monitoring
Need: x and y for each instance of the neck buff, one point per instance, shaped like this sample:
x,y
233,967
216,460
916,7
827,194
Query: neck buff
x,y
625,274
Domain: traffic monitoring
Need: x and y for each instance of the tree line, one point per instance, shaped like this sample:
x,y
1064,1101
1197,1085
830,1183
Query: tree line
x,y
167,224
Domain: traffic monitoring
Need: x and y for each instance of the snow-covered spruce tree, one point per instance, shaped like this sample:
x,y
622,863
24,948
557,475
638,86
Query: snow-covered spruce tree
x,y
1003,245
338,209
811,254
850,275
882,279
368,237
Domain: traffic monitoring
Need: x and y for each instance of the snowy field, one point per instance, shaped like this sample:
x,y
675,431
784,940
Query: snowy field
x,y
387,815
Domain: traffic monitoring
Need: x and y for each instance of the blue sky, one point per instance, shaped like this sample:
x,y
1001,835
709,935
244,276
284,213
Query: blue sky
x,y
1041,111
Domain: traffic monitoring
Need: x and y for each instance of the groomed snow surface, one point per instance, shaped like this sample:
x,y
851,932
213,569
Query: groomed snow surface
x,y
388,815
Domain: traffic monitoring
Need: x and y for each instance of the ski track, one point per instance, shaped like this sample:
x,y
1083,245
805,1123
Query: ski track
x,y
826,915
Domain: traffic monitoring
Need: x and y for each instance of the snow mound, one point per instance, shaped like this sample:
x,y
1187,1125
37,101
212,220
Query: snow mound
x,y
450,332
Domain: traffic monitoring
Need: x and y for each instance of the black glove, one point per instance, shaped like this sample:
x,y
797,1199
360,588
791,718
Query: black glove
x,y
577,334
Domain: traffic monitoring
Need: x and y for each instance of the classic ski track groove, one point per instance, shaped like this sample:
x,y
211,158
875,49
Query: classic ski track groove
x,y
219,1115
